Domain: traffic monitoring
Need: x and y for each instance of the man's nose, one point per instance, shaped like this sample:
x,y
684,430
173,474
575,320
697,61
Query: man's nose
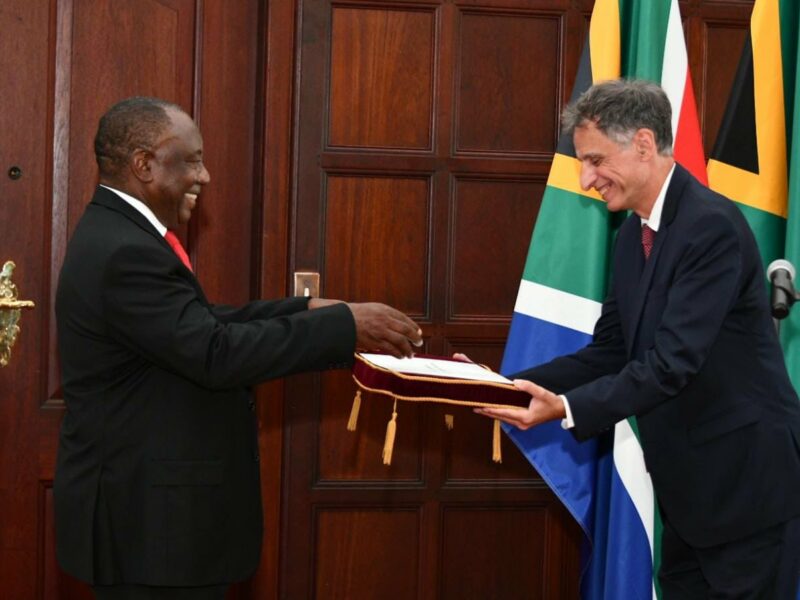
x,y
205,176
588,177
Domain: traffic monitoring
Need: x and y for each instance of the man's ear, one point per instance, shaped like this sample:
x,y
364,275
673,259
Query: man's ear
x,y
141,165
644,141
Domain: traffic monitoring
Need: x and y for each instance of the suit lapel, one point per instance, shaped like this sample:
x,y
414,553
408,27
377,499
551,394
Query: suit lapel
x,y
645,282
108,199
671,203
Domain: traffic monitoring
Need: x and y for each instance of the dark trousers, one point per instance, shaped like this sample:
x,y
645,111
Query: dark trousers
x,y
146,592
763,566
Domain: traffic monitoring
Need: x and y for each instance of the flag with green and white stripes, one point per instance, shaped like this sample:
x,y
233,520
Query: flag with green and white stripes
x,y
603,483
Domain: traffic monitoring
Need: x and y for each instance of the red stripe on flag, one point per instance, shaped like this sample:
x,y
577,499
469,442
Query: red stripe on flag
x,y
688,143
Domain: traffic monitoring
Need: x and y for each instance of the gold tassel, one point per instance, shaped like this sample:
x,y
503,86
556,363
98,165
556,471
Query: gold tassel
x,y
448,422
497,453
351,422
391,430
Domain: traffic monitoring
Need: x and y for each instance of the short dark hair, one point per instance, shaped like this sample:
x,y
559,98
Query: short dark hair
x,y
620,107
131,124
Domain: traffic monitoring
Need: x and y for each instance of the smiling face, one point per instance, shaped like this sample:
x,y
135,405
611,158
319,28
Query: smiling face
x,y
176,171
621,173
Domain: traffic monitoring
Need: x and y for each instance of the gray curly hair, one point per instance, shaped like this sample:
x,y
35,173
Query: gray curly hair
x,y
620,107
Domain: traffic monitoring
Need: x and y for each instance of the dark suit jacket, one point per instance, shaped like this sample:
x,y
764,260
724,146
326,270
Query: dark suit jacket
x,y
685,342
157,479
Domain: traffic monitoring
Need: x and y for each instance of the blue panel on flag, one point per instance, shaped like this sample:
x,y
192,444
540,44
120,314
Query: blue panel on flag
x,y
532,342
568,467
582,474
565,464
621,562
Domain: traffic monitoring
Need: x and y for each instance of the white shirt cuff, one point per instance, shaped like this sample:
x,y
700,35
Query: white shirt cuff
x,y
568,422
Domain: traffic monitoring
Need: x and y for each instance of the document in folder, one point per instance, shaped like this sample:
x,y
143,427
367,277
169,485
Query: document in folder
x,y
435,367
426,378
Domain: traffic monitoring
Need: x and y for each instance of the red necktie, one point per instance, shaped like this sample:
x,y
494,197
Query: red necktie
x,y
648,237
177,248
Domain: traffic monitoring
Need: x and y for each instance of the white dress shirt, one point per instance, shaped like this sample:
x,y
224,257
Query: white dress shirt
x,y
141,207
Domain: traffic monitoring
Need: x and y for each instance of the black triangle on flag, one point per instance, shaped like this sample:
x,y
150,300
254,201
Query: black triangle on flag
x,y
583,81
736,143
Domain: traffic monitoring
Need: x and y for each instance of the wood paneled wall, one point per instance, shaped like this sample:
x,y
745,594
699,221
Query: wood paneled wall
x,y
398,147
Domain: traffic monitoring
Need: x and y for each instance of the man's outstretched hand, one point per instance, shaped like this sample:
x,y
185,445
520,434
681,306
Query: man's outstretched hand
x,y
381,327
544,406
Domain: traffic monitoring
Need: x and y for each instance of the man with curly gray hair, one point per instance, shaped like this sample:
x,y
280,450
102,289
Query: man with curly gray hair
x,y
685,344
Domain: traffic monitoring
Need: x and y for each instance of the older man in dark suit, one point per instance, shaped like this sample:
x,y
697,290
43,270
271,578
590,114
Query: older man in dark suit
x,y
686,344
157,483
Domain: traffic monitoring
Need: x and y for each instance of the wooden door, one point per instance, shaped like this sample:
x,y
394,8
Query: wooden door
x,y
62,64
424,135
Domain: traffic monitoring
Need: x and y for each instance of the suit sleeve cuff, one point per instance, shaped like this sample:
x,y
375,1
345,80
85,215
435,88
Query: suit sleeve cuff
x,y
568,422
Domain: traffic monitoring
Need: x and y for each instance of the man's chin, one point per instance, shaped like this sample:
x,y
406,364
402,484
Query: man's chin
x,y
610,206
613,206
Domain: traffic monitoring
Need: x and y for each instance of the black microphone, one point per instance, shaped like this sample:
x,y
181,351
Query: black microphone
x,y
781,274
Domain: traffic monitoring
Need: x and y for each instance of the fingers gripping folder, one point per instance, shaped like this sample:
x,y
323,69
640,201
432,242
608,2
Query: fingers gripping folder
x,y
426,378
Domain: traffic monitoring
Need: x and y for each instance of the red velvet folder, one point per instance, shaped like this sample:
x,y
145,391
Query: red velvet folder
x,y
424,388
446,390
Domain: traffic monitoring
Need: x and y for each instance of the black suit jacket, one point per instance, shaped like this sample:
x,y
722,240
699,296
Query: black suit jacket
x,y
157,480
685,342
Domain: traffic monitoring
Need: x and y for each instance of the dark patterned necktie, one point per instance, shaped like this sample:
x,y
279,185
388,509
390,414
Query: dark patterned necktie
x,y
177,248
648,237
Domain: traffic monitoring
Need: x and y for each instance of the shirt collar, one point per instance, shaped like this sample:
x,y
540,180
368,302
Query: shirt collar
x,y
654,220
141,207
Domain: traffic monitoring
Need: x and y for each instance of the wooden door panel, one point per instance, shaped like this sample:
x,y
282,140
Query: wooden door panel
x,y
381,77
348,457
354,560
504,104
375,240
225,229
475,536
489,218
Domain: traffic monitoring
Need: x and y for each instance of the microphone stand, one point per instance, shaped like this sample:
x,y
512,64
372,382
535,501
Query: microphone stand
x,y
781,274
